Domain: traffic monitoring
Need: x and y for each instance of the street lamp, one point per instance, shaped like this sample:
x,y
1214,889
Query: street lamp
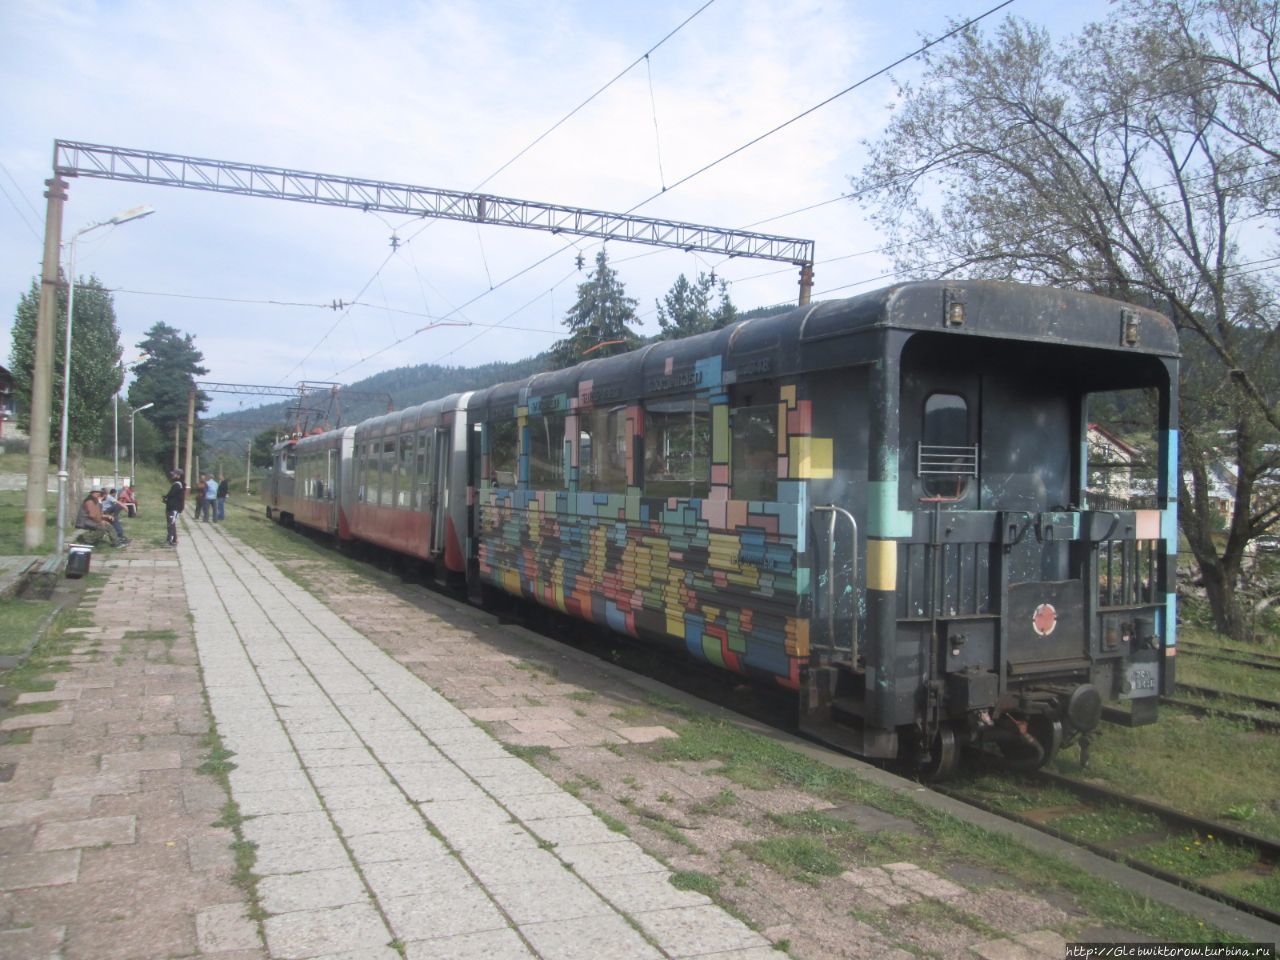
x,y
132,413
115,423
119,218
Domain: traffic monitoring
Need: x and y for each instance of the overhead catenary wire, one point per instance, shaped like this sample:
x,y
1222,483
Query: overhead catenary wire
x,y
755,140
657,135
627,69
928,45
618,76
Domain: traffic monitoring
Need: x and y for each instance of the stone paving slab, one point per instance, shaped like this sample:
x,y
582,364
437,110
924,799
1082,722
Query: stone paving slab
x,y
106,846
382,813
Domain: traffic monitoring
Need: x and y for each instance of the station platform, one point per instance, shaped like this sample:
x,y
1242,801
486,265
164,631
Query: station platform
x,y
382,813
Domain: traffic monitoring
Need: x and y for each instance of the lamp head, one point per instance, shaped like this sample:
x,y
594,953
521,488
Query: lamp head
x,y
135,213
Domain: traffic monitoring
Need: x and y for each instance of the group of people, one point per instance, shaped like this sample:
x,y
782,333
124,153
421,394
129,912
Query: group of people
x,y
211,498
210,501
101,511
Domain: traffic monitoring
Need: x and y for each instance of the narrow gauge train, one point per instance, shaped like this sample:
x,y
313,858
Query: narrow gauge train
x,y
923,509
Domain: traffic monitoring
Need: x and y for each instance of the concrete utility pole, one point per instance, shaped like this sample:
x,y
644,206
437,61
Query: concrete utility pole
x,y
42,370
191,433
177,442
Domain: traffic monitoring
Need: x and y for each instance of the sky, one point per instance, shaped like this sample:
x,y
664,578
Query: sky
x,y
442,95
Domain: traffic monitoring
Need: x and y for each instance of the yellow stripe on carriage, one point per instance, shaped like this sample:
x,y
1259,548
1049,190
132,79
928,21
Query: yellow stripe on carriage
x,y
882,565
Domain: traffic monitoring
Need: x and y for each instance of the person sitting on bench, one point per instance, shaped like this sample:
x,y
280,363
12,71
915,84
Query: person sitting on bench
x,y
91,518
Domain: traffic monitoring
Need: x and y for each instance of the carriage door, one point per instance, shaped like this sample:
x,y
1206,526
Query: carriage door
x,y
1029,435
330,472
442,451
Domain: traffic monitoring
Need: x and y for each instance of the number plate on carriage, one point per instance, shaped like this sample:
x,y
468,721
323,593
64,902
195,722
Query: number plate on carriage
x,y
1140,680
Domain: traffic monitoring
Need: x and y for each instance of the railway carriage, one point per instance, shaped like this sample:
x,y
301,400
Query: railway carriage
x,y
306,479
892,505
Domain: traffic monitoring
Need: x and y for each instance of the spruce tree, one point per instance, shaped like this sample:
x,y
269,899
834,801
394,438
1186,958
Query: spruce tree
x,y
166,378
598,320
686,309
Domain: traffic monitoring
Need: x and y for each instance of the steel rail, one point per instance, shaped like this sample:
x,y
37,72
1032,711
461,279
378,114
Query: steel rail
x,y
1207,654
1216,694
1238,651
1209,710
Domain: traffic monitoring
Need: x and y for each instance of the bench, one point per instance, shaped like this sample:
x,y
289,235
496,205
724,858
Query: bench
x,y
17,579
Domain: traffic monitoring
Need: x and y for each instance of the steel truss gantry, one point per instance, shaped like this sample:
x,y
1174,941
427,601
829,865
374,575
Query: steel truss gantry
x,y
313,390
74,159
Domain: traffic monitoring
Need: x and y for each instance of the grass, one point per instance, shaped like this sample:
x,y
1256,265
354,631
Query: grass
x,y
1196,858
13,504
658,822
698,882
612,822
1207,766
797,856
1102,826
530,753
13,518
19,620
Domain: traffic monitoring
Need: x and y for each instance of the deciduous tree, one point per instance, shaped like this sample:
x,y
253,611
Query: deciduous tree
x,y
95,360
1139,161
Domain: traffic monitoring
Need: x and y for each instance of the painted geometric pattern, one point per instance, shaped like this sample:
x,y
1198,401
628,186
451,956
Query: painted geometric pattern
x,y
726,578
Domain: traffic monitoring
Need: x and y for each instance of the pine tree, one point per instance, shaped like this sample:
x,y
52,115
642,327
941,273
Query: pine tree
x,y
166,378
598,321
686,309
95,360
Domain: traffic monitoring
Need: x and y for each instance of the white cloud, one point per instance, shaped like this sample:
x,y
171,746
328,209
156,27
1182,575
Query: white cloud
x,y
438,94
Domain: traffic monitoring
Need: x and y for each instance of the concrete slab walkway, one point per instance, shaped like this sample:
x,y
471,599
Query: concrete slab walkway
x,y
385,818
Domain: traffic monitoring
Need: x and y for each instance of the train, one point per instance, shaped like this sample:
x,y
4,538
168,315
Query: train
x,y
943,514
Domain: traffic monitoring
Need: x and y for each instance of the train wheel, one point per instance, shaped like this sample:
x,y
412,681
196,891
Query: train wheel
x,y
944,756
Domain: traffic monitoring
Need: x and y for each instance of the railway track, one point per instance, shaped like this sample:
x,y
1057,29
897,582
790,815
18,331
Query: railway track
x,y
1244,658
1214,859
1269,721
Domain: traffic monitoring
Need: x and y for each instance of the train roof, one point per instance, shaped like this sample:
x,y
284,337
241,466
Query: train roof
x,y
839,332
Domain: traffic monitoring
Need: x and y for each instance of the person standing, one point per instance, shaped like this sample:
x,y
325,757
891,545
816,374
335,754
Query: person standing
x,y
220,512
174,502
210,499
198,497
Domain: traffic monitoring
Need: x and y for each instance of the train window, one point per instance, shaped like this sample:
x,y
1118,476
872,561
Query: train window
x,y
546,452
362,471
602,451
290,464
677,448
755,452
1122,450
386,491
406,471
504,452
946,459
